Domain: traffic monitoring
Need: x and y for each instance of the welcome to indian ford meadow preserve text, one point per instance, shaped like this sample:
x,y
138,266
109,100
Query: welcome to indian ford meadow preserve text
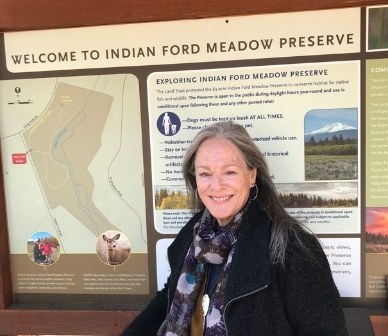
x,y
185,49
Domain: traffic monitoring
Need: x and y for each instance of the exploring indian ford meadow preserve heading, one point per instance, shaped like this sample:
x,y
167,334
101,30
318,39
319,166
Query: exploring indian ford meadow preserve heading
x,y
247,76
186,49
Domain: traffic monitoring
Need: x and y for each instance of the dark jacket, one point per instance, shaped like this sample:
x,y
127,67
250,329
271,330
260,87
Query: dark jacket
x,y
262,299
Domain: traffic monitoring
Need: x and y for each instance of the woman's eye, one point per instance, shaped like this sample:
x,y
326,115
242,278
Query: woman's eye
x,y
203,174
230,172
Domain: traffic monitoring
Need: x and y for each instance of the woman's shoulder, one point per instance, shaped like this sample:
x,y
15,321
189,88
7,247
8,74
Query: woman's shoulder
x,y
189,226
185,234
304,245
302,235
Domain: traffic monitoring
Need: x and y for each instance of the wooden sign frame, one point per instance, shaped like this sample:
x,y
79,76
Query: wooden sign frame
x,y
22,15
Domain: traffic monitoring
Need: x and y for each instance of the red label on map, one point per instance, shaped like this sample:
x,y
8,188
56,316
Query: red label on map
x,y
19,158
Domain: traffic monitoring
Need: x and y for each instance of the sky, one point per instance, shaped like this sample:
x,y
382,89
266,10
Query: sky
x,y
377,220
316,119
40,235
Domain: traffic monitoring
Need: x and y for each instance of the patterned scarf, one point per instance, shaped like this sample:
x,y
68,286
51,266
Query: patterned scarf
x,y
211,244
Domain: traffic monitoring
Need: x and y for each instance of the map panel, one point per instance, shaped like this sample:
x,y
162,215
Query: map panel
x,y
68,147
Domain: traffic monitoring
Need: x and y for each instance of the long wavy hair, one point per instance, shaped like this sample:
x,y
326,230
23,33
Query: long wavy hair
x,y
267,196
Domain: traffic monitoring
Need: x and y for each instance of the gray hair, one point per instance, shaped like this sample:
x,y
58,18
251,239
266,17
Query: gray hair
x,y
267,197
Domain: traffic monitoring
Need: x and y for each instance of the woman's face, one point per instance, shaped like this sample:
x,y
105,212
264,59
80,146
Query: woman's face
x,y
223,178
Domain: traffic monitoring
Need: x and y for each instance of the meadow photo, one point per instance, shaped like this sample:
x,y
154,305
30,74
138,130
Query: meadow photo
x,y
171,197
318,194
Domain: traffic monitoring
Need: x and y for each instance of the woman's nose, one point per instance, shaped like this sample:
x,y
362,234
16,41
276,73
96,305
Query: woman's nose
x,y
216,182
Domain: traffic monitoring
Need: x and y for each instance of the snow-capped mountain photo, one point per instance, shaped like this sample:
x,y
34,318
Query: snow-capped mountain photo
x,y
331,130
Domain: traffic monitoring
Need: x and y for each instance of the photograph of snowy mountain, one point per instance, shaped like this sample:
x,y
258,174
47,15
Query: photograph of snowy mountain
x,y
328,131
331,144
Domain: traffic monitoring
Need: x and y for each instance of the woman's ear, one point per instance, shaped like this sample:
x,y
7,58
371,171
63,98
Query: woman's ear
x,y
253,177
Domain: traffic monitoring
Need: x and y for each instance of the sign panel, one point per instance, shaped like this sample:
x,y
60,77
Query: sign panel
x,y
94,124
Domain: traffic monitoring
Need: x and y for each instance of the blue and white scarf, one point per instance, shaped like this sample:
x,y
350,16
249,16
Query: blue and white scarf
x,y
211,244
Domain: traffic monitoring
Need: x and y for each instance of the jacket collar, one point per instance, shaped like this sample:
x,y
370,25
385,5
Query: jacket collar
x,y
250,265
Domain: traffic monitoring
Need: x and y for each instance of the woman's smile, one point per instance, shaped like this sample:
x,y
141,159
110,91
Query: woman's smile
x,y
220,199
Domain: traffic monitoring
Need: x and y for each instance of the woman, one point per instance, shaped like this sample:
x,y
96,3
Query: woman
x,y
241,265
38,255
47,249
